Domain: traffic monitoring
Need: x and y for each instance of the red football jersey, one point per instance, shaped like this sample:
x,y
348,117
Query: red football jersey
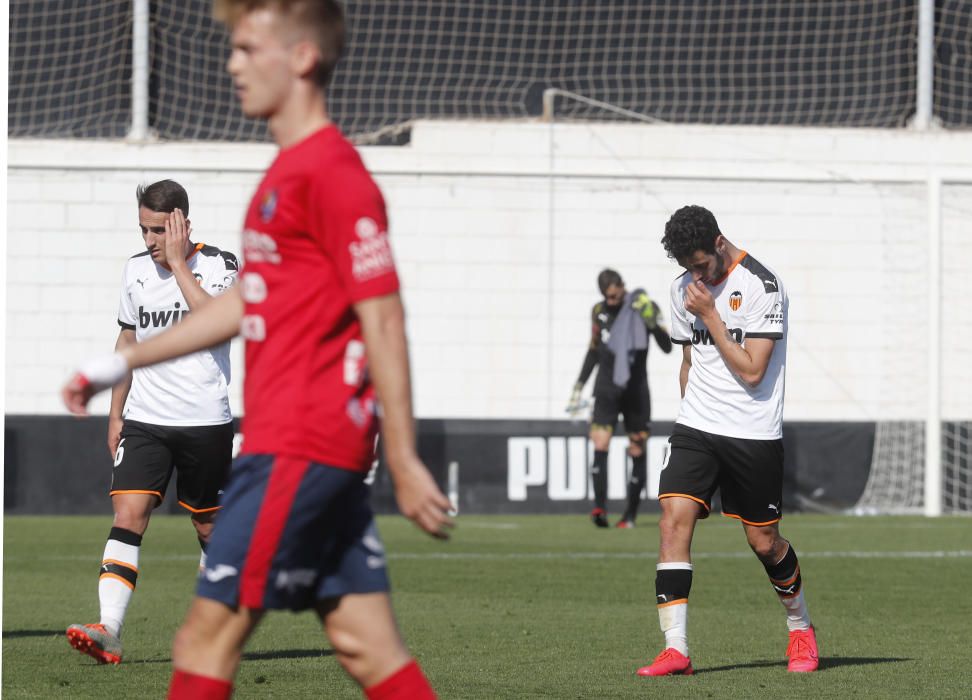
x,y
315,242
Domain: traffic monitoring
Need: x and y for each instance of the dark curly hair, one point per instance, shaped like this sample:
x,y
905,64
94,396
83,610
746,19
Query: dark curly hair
x,y
690,229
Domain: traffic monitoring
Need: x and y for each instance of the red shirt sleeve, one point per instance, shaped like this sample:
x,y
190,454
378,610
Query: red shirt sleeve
x,y
349,222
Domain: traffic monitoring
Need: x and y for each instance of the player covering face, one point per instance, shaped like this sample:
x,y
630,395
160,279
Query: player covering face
x,y
729,314
175,417
319,307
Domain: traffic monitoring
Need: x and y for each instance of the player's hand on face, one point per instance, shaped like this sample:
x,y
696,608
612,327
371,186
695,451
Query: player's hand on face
x,y
421,501
176,237
115,424
698,299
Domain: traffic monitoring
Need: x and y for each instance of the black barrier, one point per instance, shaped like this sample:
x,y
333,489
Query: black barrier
x,y
60,465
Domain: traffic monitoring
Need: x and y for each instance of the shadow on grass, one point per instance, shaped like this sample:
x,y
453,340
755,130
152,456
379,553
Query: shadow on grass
x,y
247,656
825,663
256,656
287,654
21,634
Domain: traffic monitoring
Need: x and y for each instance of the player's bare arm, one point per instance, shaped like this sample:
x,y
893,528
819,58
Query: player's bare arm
x,y
419,498
177,249
215,323
683,371
748,361
119,394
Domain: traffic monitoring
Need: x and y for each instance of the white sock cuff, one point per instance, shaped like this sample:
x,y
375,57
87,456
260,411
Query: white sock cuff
x,y
119,551
673,566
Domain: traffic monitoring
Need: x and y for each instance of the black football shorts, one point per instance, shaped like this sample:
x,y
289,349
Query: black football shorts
x,y
201,456
634,403
748,474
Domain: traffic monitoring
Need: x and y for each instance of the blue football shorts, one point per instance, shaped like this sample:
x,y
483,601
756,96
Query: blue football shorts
x,y
292,533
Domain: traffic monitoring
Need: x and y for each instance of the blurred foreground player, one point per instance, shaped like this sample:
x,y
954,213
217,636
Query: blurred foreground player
x,y
620,327
319,307
175,416
729,312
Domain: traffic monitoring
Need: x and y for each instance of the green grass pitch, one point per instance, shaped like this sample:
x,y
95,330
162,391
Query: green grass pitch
x,y
533,607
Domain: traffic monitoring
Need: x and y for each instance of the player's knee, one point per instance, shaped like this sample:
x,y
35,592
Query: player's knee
x,y
133,520
187,643
366,659
352,653
764,545
203,529
671,527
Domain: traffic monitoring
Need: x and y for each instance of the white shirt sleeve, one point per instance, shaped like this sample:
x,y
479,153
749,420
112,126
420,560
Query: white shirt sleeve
x,y
766,317
222,275
681,326
126,305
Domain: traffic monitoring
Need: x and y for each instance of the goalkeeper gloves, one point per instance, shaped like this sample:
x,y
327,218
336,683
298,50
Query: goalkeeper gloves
x,y
646,307
574,404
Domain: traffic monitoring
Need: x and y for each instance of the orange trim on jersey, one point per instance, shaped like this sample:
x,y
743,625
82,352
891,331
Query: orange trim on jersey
x,y
732,267
680,601
685,495
157,494
119,578
198,510
747,522
120,563
199,246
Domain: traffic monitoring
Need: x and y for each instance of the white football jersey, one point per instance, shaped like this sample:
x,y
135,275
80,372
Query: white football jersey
x,y
190,390
753,303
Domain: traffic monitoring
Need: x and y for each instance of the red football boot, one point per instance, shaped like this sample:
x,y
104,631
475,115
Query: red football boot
x,y
670,662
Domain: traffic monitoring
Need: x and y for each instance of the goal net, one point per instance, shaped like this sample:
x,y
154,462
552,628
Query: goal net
x,y
70,68
764,62
896,482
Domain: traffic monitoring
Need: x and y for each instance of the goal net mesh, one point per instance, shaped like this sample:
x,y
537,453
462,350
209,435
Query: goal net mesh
x,y
765,62
896,481
70,66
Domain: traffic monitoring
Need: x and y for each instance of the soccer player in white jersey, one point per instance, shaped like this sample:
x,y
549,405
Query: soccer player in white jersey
x,y
729,313
171,415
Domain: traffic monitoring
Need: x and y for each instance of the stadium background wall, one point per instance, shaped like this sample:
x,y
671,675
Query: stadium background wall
x,y
499,230
60,465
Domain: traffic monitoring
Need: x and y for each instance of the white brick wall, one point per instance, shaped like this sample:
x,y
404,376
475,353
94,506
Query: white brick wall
x,y
500,230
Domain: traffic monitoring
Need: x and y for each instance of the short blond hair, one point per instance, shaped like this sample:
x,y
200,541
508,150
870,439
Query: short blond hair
x,y
324,18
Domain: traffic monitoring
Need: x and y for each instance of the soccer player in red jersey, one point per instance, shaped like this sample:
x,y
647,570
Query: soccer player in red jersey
x,y
318,305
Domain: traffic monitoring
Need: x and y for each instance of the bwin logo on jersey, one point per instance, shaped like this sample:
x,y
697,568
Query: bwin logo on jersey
x,y
701,336
160,319
292,579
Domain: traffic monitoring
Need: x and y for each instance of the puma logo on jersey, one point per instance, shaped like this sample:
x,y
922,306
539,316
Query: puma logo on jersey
x,y
220,572
141,283
160,319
